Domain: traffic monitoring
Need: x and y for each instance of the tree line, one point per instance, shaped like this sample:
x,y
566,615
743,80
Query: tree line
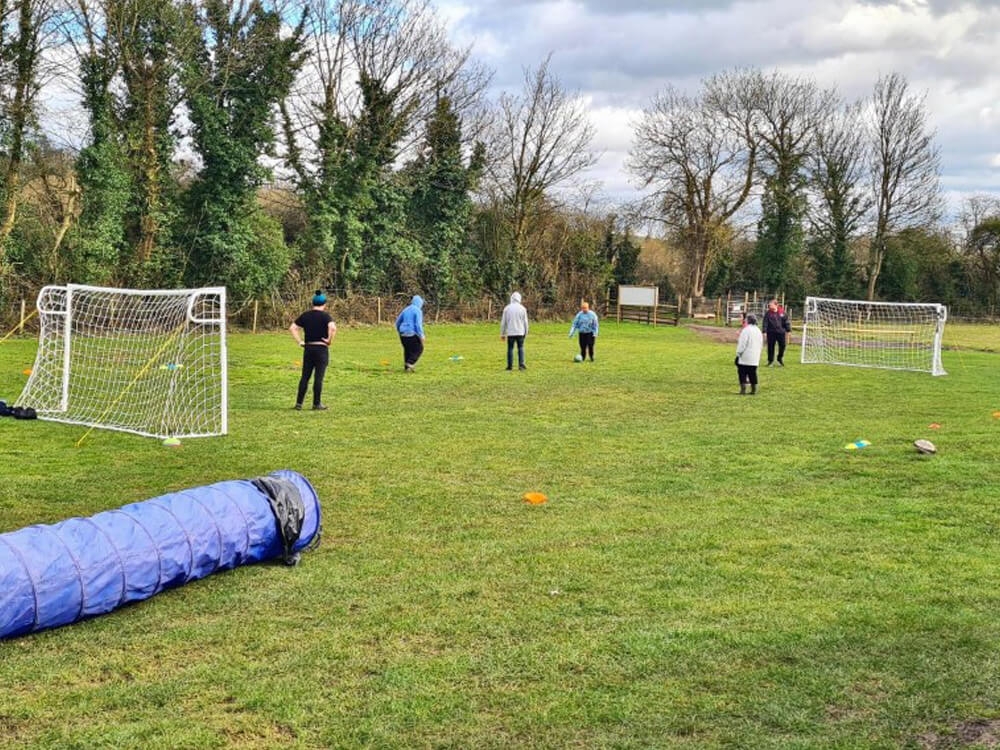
x,y
847,193
275,146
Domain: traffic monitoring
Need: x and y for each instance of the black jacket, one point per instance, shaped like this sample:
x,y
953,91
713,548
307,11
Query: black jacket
x,y
776,323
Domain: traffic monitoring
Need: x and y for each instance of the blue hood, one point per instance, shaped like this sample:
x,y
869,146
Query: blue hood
x,y
417,301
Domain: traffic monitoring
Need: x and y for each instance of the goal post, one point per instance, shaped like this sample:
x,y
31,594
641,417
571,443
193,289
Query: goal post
x,y
148,361
886,335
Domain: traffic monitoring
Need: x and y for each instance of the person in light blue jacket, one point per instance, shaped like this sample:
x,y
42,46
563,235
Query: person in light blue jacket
x,y
585,323
410,327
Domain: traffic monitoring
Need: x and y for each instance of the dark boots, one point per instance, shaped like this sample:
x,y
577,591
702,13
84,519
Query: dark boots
x,y
743,389
753,389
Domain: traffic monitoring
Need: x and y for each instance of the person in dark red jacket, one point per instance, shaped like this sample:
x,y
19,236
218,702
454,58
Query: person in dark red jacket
x,y
776,328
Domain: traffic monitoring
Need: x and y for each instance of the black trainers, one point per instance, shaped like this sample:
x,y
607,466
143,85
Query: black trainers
x,y
297,407
522,367
320,407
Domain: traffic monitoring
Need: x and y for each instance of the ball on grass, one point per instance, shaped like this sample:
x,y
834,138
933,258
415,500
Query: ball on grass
x,y
926,447
578,358
172,442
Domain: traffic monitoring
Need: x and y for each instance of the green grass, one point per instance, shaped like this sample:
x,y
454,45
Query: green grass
x,y
971,336
710,570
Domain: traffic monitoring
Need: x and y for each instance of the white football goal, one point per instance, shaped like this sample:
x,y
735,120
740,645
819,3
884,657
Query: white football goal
x,y
887,335
150,362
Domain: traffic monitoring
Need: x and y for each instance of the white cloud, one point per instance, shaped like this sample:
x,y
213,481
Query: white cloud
x,y
619,53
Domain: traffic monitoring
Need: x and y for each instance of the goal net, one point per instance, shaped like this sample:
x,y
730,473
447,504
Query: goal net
x,y
887,335
151,362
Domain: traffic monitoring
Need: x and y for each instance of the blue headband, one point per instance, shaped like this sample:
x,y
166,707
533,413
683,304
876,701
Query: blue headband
x,y
319,298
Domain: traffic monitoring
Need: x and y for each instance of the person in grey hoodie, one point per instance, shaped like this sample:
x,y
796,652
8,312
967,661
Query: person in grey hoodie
x,y
410,327
513,328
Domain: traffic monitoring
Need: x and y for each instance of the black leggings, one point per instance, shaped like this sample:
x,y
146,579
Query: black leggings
x,y
587,345
413,347
314,361
772,339
747,373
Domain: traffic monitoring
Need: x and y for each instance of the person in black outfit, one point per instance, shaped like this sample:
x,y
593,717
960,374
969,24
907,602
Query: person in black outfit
x,y
313,330
776,328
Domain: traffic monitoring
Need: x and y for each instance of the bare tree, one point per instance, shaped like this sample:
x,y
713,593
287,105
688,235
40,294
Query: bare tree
x,y
788,112
979,220
697,156
974,210
904,168
837,167
400,46
541,139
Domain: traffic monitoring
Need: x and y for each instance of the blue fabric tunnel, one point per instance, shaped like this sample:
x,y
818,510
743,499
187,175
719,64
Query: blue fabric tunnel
x,y
52,575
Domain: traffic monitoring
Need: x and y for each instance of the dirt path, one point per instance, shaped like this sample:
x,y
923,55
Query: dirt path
x,y
726,335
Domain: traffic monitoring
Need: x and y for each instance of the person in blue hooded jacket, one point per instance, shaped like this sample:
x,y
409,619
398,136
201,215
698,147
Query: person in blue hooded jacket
x,y
410,326
585,323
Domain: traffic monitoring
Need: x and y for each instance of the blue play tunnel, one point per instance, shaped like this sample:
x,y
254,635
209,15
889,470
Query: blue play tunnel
x,y
81,567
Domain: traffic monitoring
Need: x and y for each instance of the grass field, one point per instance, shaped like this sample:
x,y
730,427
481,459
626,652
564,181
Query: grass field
x,y
709,571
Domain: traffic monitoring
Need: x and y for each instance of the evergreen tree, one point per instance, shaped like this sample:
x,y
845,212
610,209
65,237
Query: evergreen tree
x,y
441,207
238,71
779,231
105,186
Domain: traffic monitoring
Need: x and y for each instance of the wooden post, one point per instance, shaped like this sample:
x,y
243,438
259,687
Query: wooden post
x,y
729,305
654,315
253,327
489,308
378,311
20,325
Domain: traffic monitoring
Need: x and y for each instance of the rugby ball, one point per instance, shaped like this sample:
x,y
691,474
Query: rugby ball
x,y
924,446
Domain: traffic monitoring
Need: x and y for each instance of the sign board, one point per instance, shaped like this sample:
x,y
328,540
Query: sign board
x,y
639,296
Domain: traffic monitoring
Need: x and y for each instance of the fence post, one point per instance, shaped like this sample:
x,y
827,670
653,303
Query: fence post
x,y
378,311
20,325
254,327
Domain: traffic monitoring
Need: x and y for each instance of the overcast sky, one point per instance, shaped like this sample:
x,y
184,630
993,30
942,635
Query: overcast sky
x,y
618,53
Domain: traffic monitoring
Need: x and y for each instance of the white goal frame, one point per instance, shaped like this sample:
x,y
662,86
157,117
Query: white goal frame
x,y
152,362
883,335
